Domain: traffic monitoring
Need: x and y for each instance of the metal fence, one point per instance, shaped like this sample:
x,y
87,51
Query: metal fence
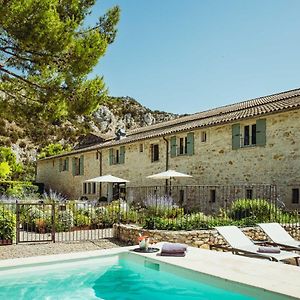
x,y
208,199
159,207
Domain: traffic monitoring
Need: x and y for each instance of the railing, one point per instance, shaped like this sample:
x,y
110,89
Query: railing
x,y
152,207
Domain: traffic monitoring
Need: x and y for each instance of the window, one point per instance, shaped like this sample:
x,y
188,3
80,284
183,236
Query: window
x,y
77,165
141,147
249,137
65,164
203,136
249,134
295,196
117,156
212,196
182,145
154,152
249,194
89,188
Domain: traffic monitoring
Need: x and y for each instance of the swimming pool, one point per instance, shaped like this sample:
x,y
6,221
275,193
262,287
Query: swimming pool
x,y
124,276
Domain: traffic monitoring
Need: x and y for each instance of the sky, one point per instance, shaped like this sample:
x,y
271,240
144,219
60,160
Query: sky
x,y
187,56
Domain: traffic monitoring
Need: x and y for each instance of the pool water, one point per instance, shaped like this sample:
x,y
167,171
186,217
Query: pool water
x,y
107,278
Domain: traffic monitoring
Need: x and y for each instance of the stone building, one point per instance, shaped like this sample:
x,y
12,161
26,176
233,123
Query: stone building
x,y
251,142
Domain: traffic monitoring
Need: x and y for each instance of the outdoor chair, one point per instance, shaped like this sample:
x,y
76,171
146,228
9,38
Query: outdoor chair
x,y
241,244
280,236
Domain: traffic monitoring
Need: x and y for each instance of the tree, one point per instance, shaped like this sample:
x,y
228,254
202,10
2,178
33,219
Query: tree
x,y
46,53
4,170
53,149
8,159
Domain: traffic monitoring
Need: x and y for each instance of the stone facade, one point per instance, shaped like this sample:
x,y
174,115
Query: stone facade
x,y
213,161
196,238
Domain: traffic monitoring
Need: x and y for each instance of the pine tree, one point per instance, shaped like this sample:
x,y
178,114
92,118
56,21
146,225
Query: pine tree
x,y
46,53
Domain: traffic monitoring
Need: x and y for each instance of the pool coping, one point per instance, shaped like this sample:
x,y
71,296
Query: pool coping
x,y
272,276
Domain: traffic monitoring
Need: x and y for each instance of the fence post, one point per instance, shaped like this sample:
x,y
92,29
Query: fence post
x,y
17,223
53,221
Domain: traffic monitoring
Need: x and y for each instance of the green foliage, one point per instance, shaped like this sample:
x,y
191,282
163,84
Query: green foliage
x,y
80,220
8,156
7,225
53,149
258,210
4,170
47,57
64,220
18,189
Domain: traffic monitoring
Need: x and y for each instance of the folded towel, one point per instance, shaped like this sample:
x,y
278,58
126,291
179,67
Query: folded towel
x,y
178,254
173,248
268,249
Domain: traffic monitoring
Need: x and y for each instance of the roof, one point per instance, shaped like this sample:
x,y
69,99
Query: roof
x,y
226,114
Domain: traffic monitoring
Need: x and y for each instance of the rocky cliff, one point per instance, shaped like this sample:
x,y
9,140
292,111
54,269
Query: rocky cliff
x,y
27,137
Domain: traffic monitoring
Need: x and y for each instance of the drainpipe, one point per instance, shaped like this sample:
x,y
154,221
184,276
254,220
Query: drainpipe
x,y
167,159
100,171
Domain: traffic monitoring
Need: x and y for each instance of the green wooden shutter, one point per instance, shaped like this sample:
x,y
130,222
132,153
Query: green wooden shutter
x,y
67,164
73,166
60,165
173,146
236,136
122,155
81,165
111,156
190,143
261,132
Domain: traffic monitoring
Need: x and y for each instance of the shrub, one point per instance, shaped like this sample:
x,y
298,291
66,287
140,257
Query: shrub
x,y
7,225
81,220
64,220
256,210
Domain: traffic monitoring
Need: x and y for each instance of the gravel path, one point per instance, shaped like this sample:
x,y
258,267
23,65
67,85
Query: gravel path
x,y
37,249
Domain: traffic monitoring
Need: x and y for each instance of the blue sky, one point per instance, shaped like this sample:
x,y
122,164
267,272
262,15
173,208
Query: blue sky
x,y
186,56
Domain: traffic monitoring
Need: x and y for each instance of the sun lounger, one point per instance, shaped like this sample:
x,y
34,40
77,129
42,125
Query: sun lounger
x,y
241,244
280,236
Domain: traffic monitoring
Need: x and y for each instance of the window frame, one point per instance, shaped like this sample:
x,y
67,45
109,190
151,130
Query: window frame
x,y
249,139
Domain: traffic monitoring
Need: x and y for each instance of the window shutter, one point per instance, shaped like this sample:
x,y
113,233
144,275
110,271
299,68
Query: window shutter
x,y
73,166
173,146
81,165
111,156
236,136
122,155
67,164
261,132
60,165
190,143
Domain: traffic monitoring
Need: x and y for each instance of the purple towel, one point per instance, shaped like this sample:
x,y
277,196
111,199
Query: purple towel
x,y
268,249
177,254
173,248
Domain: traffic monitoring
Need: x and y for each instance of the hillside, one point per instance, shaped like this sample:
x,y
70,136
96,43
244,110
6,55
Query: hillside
x,y
27,137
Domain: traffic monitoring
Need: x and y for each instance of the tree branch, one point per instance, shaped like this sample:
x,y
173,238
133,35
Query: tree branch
x,y
20,77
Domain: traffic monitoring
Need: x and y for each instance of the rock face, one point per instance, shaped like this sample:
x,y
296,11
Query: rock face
x,y
126,113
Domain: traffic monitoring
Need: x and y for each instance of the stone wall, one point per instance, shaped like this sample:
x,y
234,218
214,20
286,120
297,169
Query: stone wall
x,y
196,238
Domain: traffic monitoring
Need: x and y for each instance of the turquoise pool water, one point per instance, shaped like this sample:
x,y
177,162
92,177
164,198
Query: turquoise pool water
x,y
110,278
